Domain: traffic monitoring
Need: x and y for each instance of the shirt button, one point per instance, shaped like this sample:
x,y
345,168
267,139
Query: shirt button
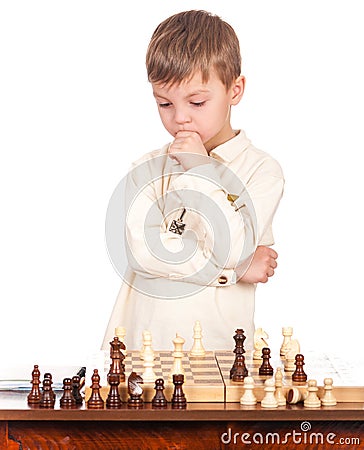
x,y
222,279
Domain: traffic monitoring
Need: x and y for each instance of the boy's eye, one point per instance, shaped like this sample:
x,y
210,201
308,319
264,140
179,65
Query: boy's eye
x,y
198,104
164,105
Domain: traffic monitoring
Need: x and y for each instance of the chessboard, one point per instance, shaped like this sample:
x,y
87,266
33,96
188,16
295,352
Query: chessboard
x,y
207,379
202,377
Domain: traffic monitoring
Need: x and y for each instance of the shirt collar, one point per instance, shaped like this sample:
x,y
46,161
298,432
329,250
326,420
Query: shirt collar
x,y
230,149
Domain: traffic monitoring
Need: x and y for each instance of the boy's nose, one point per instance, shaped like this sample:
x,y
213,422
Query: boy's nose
x,y
181,117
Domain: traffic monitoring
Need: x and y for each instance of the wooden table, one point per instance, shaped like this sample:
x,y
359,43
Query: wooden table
x,y
200,426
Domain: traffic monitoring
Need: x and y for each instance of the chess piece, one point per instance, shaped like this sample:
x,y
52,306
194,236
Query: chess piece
x,y
113,399
76,386
135,391
312,400
289,361
269,400
287,333
296,395
95,401
148,355
299,375
177,354
178,399
281,399
34,395
266,368
159,400
147,341
197,348
248,398
117,358
239,362
120,333
67,400
328,398
47,398
260,342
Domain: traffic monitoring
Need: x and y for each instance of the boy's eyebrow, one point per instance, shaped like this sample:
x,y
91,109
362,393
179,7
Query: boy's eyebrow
x,y
191,94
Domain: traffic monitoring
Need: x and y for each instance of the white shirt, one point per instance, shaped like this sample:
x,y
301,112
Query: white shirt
x,y
175,279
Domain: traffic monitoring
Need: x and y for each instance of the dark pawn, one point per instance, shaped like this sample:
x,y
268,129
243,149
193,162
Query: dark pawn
x,y
159,400
299,374
266,368
135,391
47,398
113,399
239,350
76,380
178,399
34,395
240,369
48,375
95,401
67,400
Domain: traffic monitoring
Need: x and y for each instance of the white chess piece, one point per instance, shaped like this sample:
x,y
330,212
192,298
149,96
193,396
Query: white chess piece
x,y
281,399
147,340
312,401
148,356
260,342
328,398
269,400
289,362
287,333
197,348
296,395
120,332
177,368
248,398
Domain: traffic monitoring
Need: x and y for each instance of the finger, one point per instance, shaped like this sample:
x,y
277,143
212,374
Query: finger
x,y
273,253
273,264
270,272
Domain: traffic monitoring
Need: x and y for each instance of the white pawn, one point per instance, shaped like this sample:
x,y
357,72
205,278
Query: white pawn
x,y
281,399
312,401
248,398
177,368
328,399
287,333
269,400
260,342
197,348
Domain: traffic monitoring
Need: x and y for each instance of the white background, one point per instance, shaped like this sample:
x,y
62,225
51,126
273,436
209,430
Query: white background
x,y
76,110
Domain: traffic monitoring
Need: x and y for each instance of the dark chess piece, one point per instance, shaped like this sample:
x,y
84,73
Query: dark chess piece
x,y
47,398
95,401
48,375
299,374
117,358
178,399
239,363
34,395
113,399
76,386
135,391
266,368
67,400
159,400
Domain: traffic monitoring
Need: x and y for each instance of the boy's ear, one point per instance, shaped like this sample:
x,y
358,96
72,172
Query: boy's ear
x,y
237,90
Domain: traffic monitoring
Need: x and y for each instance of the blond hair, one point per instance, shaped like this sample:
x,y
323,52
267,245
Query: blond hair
x,y
190,42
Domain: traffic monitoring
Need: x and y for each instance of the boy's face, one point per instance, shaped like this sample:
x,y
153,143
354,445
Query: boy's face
x,y
203,108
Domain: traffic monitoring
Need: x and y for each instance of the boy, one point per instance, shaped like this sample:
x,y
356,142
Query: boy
x,y
199,210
